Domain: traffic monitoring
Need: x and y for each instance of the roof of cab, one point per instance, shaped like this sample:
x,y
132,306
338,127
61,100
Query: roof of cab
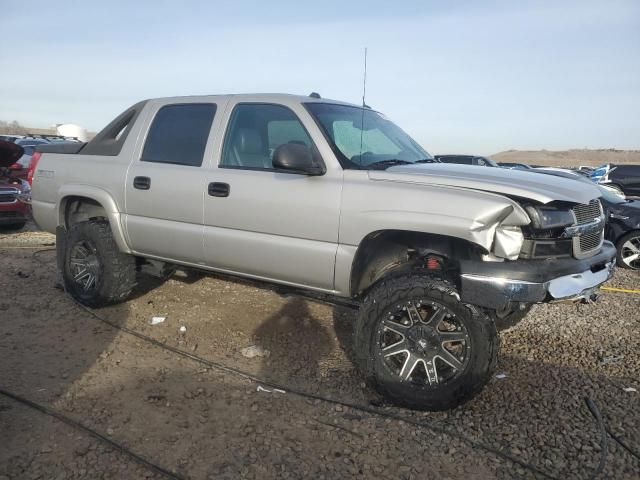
x,y
284,98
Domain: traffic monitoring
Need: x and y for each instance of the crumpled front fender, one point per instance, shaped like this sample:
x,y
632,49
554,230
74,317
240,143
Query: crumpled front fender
x,y
469,215
497,229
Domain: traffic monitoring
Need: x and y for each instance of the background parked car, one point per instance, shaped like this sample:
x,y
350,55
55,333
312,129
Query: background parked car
x,y
10,138
28,144
466,160
625,178
584,170
515,166
623,219
15,193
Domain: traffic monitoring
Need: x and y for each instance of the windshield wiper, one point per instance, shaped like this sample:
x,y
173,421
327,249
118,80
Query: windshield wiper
x,y
384,164
425,160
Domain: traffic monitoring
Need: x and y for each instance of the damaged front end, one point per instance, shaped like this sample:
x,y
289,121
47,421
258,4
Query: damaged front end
x,y
499,230
559,255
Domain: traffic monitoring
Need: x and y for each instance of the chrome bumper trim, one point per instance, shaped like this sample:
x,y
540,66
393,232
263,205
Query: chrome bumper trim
x,y
494,292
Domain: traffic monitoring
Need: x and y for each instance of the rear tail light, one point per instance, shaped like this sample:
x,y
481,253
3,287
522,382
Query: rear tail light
x,y
33,164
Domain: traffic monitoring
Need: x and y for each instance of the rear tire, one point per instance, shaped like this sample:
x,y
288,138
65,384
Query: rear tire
x,y
95,272
451,347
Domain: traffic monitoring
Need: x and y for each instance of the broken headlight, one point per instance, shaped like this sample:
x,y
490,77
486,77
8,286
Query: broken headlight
x,y
548,217
543,236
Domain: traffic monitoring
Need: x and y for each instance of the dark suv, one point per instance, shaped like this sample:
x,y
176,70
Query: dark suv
x,y
466,160
625,178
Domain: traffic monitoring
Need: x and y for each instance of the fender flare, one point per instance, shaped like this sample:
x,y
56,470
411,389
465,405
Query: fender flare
x,y
101,196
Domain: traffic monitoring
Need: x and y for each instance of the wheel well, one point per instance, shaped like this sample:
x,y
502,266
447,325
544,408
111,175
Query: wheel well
x,y
80,209
386,251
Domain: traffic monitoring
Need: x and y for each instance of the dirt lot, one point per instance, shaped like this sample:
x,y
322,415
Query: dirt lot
x,y
203,422
569,158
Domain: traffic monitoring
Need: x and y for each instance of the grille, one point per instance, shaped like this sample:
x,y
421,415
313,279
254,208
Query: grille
x,y
8,214
588,244
7,196
587,213
590,241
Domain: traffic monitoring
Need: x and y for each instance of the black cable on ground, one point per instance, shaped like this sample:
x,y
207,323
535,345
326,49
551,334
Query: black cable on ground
x,y
115,445
593,408
355,406
623,444
36,255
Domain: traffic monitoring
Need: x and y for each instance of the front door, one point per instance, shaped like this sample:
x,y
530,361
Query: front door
x,y
267,223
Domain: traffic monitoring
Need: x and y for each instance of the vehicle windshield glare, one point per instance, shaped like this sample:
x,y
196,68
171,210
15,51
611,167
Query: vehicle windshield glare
x,y
364,138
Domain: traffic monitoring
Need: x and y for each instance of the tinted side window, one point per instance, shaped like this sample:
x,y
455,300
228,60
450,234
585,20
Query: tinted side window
x,y
627,170
256,130
286,131
179,134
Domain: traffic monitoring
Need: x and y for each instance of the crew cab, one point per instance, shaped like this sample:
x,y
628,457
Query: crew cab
x,y
334,198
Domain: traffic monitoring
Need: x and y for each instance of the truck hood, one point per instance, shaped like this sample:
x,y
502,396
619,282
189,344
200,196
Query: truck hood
x,y
512,183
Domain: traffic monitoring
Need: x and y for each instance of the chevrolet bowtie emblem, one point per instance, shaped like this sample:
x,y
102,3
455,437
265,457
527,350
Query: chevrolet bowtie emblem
x,y
578,230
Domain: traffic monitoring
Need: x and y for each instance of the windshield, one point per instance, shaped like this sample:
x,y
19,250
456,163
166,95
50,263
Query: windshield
x,y
379,142
599,172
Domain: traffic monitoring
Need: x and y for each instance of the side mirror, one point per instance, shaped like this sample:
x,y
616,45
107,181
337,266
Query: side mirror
x,y
10,153
297,158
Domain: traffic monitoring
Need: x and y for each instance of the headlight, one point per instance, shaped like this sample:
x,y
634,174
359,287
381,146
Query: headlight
x,y
549,217
508,242
25,195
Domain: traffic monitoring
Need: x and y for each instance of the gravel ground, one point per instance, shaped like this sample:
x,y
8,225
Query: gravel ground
x,y
205,423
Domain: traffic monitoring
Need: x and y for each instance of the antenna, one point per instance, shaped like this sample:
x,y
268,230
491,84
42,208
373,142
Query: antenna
x,y
364,80
364,93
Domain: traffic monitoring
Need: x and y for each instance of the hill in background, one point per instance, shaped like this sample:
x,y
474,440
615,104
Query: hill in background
x,y
568,158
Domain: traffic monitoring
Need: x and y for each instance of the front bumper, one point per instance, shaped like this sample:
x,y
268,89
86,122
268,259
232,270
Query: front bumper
x,y
13,212
501,285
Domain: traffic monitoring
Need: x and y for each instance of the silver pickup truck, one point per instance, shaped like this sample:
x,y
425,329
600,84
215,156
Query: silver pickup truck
x,y
330,197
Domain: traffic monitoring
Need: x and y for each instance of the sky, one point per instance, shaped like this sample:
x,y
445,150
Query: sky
x,y
459,76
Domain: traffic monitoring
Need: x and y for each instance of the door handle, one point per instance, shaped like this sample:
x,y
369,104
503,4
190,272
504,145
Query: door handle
x,y
217,189
142,183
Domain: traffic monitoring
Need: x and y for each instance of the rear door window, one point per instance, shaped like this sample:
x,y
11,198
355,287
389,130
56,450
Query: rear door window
x,y
179,133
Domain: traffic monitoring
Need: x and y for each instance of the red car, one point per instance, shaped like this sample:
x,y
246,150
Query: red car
x,y
15,193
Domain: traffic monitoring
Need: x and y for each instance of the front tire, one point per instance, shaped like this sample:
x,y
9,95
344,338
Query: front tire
x,y
95,272
628,251
420,346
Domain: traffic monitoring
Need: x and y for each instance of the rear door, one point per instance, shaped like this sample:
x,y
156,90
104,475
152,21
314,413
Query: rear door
x,y
165,182
266,223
